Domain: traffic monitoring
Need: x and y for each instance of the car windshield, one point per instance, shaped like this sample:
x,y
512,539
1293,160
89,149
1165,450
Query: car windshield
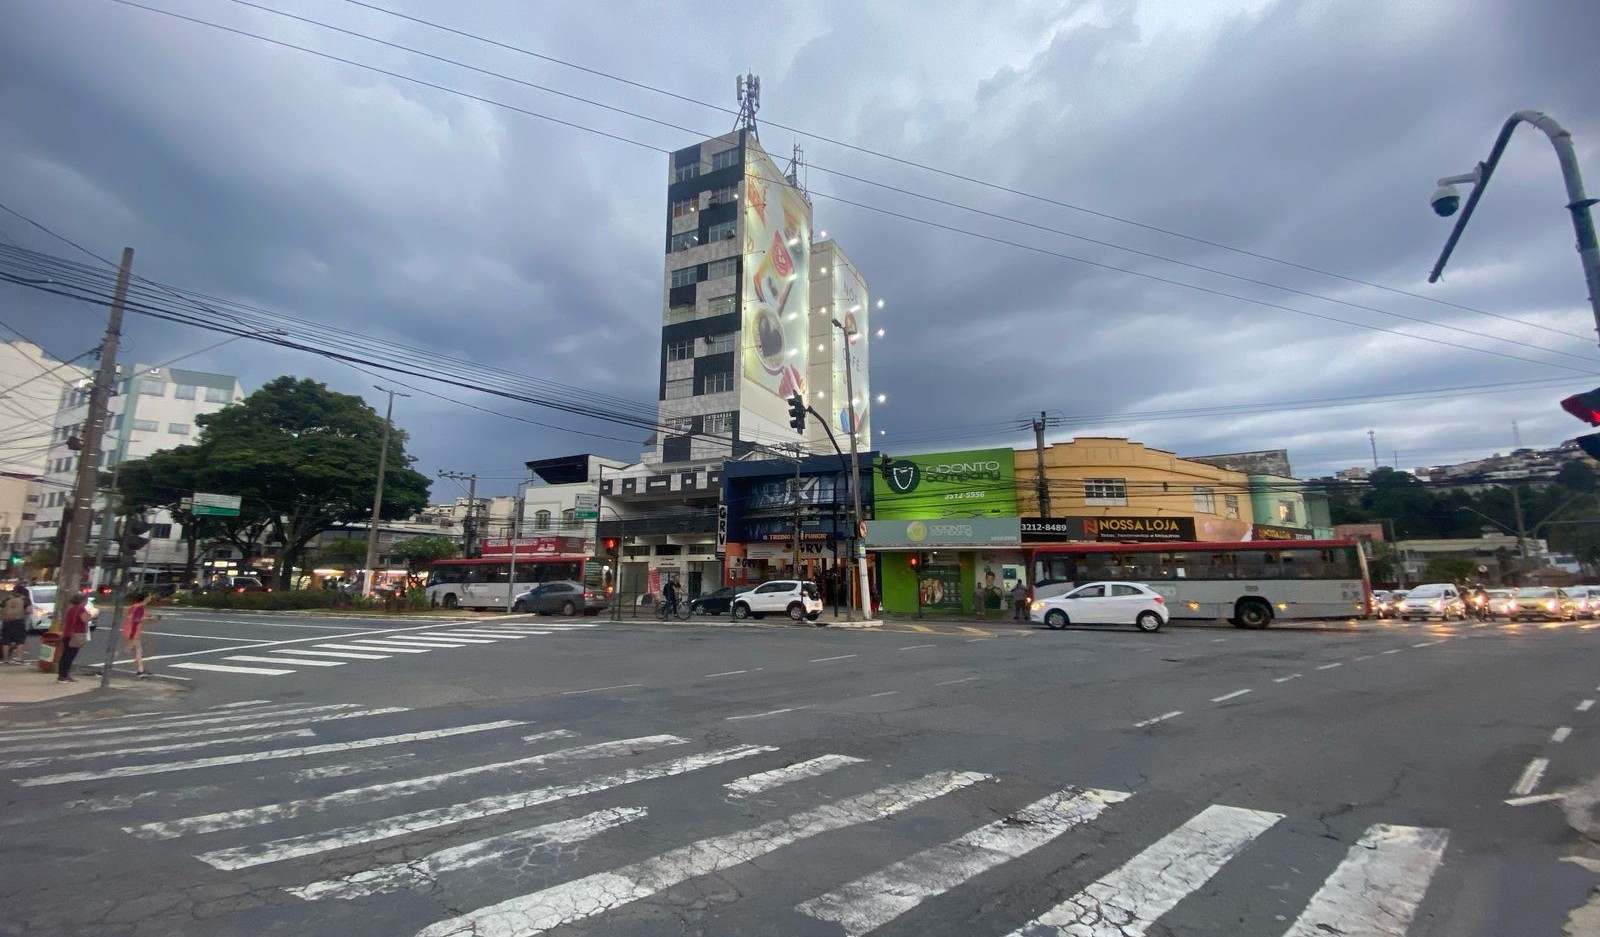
x,y
42,595
1537,593
1426,592
1501,593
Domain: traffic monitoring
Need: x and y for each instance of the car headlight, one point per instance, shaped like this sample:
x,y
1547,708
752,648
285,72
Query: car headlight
x,y
1037,605
1551,605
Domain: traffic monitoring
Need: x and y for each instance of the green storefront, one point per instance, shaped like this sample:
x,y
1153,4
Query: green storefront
x,y
946,525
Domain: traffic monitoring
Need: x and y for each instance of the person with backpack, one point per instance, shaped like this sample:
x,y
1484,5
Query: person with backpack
x,y
14,625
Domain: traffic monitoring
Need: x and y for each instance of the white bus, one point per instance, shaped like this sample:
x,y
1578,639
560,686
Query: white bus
x,y
491,582
1248,584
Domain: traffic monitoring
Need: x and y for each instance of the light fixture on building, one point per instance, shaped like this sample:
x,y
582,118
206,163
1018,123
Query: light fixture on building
x,y
880,304
883,398
880,333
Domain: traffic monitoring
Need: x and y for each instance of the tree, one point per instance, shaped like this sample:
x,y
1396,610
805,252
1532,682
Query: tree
x,y
164,479
420,551
1450,567
45,556
1384,564
348,551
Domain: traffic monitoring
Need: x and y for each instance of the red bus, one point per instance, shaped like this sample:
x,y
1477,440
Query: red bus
x,y
1248,584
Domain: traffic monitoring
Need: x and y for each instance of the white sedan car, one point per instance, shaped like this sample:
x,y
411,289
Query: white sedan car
x,y
1104,603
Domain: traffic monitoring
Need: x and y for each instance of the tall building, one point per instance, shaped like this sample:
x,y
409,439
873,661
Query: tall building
x,y
750,298
153,409
31,383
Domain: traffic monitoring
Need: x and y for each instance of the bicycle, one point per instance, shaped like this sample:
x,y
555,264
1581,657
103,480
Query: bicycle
x,y
665,610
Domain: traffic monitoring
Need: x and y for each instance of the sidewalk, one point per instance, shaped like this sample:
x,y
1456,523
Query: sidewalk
x,y
24,683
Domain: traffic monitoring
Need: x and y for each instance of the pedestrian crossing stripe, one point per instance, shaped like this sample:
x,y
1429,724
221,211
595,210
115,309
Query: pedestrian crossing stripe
x,y
375,646
303,662
1375,891
231,668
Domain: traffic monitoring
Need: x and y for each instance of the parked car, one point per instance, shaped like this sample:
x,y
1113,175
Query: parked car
x,y
1545,603
798,599
43,597
1439,600
719,602
561,596
1502,603
1104,603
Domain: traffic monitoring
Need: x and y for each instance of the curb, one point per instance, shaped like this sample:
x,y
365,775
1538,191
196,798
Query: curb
x,y
314,613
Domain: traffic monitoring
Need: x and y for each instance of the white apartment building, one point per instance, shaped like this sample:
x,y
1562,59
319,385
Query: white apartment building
x,y
153,409
31,384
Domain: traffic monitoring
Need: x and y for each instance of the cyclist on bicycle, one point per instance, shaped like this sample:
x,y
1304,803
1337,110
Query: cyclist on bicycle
x,y
670,593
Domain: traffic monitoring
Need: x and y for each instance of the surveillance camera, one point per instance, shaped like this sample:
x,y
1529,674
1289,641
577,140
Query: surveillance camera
x,y
1446,199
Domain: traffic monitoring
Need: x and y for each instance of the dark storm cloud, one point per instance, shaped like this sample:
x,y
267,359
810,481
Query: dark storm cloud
x,y
1309,131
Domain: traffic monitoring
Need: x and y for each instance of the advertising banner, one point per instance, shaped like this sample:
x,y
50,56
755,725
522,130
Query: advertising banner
x,y
777,280
1051,529
955,532
534,546
1272,532
1138,529
975,483
850,308
940,588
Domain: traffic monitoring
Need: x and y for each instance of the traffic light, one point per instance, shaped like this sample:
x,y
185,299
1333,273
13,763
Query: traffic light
x,y
133,537
611,546
75,443
885,464
915,560
1586,407
797,413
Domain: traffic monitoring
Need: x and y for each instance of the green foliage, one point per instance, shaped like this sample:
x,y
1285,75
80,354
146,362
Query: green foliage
x,y
1450,567
416,599
346,551
286,600
420,551
44,556
1383,565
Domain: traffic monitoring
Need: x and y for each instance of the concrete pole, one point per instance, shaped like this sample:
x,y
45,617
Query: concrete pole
x,y
377,494
864,582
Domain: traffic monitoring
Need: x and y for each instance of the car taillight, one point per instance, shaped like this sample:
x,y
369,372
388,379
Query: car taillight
x,y
588,595
1159,600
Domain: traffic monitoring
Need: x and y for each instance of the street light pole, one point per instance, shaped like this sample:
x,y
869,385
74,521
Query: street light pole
x,y
1444,201
864,584
377,494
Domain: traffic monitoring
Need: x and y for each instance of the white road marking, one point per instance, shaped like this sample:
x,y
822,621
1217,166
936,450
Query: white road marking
x,y
155,749
728,673
1364,657
265,623
423,872
348,768
1427,644
972,640
1228,696
497,635
1560,734
557,734
1293,676
958,680
352,655
457,637
205,637
1394,650
1218,640
1127,901
884,693
799,771
1530,777
821,660
306,662
1161,718
583,898
917,647
231,668
597,689
408,641
375,646
1375,891
186,732
1331,666
1584,706
172,722
274,754
873,901
771,712
242,703
1534,799
373,793
244,857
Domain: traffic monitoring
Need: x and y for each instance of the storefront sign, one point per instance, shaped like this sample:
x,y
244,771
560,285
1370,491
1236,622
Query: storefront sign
x,y
940,588
534,546
975,483
945,532
1271,532
1051,529
1138,529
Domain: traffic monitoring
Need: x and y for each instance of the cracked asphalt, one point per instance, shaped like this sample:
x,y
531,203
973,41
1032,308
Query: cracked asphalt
x,y
1342,730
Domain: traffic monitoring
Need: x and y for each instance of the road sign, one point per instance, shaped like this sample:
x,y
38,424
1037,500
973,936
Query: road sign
x,y
586,507
211,505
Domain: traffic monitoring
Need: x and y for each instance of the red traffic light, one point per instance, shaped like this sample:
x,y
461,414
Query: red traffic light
x,y
1585,407
611,544
915,561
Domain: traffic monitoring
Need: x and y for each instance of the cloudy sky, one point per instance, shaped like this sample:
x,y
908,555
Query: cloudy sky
x,y
1306,132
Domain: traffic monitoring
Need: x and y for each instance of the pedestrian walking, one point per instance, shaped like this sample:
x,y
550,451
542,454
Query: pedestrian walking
x,y
133,629
1019,601
979,594
74,635
14,625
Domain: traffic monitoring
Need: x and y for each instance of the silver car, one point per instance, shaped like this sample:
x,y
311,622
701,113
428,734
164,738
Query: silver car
x,y
43,597
1439,600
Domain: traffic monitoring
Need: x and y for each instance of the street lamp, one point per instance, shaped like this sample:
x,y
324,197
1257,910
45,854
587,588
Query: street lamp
x,y
1447,198
864,585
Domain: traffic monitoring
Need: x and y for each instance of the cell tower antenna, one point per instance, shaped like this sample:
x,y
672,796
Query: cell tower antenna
x,y
797,162
749,91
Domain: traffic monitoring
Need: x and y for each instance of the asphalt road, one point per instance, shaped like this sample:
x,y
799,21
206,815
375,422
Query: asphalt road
x,y
501,777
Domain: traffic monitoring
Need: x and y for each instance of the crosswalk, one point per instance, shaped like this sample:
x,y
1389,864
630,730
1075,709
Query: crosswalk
x,y
281,661
517,828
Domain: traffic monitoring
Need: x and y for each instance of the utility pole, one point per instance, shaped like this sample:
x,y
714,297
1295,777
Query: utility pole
x,y
1522,531
94,424
1038,448
864,583
469,526
797,514
1372,438
377,493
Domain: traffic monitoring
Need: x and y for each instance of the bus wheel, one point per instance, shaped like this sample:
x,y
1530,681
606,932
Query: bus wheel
x,y
450,601
1253,613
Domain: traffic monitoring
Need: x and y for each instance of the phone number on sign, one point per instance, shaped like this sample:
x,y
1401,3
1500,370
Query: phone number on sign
x,y
966,495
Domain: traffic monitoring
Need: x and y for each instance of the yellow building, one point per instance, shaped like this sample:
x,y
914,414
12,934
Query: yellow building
x,y
1115,490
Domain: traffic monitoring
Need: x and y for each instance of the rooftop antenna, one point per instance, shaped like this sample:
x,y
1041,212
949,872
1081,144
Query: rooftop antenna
x,y
1516,434
796,162
749,92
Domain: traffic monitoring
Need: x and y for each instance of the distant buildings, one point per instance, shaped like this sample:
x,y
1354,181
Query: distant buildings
x,y
31,385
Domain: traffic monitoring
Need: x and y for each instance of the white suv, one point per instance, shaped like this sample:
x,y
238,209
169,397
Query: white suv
x,y
799,600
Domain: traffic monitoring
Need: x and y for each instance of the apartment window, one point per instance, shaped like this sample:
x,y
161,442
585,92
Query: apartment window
x,y
218,395
178,429
678,425
569,519
726,194
1230,506
1105,492
146,426
725,158
723,231
184,392
679,389
684,208
115,422
726,267
717,424
151,388
681,350
680,313
720,344
682,242
684,276
718,383
1286,512
1205,501
686,172
160,531
541,520
720,305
